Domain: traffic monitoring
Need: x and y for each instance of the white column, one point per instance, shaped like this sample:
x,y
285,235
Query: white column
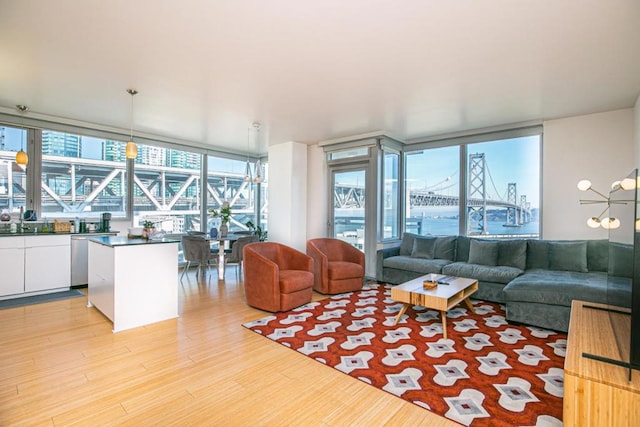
x,y
288,194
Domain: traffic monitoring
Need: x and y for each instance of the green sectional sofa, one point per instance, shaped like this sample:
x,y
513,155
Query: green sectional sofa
x,y
536,280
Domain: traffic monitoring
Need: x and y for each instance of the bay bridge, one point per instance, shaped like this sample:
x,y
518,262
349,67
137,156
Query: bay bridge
x,y
518,209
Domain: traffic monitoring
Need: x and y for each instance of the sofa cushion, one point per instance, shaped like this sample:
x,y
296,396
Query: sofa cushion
x,y
445,247
483,252
483,273
419,265
406,245
568,256
620,260
462,248
513,253
537,254
424,247
561,287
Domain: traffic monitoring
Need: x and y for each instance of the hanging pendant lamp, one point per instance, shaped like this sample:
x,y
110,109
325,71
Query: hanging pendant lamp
x,y
131,150
21,156
247,169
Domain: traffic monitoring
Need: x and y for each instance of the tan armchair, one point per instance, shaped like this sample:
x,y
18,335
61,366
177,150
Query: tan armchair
x,y
276,277
338,266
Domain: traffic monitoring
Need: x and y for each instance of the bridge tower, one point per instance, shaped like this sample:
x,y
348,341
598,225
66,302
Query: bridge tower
x,y
512,212
524,211
477,189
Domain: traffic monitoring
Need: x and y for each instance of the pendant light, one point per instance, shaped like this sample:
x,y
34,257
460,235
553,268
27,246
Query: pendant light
x,y
131,150
257,175
21,156
247,169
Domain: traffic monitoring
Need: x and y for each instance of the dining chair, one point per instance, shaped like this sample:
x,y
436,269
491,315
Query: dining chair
x,y
235,257
196,250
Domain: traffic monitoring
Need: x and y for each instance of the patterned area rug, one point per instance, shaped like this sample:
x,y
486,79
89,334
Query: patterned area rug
x,y
487,373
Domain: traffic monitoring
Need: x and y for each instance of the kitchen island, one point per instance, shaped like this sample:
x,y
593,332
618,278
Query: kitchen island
x,y
133,281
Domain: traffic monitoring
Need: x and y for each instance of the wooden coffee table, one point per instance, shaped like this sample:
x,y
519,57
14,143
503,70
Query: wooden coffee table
x,y
441,298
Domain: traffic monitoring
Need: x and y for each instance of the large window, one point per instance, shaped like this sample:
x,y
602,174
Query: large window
x,y
166,188
226,183
500,194
503,187
433,191
82,176
13,179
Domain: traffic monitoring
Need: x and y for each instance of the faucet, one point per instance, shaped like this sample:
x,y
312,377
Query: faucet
x,y
21,219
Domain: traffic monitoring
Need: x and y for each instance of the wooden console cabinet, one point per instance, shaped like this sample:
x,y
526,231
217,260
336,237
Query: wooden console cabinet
x,y
598,393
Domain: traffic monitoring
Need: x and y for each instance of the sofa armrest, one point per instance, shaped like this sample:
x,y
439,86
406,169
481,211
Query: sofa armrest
x,y
381,254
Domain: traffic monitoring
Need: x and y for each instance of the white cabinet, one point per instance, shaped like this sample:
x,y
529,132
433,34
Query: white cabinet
x,y
12,265
47,262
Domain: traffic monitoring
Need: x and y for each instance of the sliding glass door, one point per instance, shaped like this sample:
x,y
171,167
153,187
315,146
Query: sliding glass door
x,y
348,210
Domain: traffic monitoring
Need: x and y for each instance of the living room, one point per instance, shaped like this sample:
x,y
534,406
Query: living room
x,y
583,88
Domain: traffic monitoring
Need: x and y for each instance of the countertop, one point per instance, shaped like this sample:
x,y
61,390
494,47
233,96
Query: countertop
x,y
115,241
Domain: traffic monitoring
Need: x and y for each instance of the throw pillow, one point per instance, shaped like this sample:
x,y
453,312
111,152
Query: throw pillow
x,y
424,247
513,253
445,247
568,256
537,254
483,252
406,246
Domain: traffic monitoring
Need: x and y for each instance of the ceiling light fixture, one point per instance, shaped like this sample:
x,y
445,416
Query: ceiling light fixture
x,y
21,156
131,150
608,223
257,175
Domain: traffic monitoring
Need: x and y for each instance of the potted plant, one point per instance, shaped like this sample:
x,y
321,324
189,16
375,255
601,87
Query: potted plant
x,y
257,230
149,228
225,216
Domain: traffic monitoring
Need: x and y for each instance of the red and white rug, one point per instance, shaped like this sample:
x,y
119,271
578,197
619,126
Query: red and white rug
x,y
487,373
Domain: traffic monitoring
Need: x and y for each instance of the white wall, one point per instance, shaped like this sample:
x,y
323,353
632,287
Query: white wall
x,y
317,192
598,147
288,194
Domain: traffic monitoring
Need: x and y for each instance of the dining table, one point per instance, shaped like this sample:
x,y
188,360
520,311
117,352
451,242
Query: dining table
x,y
222,243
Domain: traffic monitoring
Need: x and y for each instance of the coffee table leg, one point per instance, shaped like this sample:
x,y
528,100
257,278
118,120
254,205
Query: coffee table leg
x,y
402,311
468,302
443,314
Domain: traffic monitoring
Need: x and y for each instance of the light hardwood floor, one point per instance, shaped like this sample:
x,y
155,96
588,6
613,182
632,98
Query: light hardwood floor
x,y
61,365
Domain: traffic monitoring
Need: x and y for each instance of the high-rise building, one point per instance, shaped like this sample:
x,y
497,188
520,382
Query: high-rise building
x,y
61,144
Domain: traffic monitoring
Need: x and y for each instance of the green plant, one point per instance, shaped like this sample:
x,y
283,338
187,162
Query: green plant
x,y
257,230
224,213
148,224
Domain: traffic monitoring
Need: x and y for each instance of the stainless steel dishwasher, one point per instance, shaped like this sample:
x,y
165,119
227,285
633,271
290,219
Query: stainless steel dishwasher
x,y
80,258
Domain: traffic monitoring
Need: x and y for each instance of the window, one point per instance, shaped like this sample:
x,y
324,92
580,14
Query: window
x,y
225,183
390,196
82,176
503,187
166,188
13,179
433,191
500,192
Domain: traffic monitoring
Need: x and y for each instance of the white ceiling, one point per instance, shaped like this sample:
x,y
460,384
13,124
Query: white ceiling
x,y
316,70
